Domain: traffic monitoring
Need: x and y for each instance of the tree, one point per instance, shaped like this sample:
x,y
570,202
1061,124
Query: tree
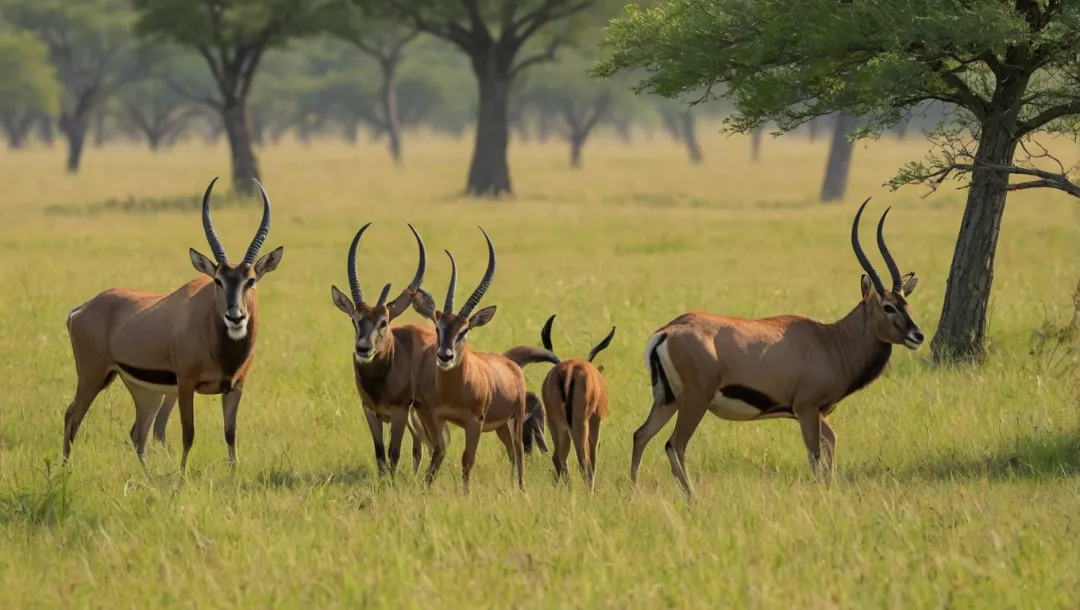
x,y
231,36
564,90
28,85
838,167
494,34
155,111
91,46
1005,68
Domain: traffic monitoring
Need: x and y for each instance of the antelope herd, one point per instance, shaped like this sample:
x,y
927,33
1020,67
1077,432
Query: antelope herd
x,y
201,339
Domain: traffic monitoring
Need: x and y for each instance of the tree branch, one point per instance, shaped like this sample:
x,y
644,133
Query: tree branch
x,y
1047,116
548,54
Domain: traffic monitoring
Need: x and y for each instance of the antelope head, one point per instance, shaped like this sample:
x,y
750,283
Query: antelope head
x,y
235,282
452,329
372,323
890,316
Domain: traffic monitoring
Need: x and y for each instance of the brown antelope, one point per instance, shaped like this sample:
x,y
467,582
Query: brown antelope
x,y
384,358
200,338
577,394
789,366
477,391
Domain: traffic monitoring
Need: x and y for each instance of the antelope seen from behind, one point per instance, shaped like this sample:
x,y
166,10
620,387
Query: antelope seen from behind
x,y
478,391
384,357
576,393
787,366
198,339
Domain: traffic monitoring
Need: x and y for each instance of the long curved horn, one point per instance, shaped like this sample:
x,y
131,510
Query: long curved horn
x,y
421,267
485,282
448,307
354,278
264,228
890,262
859,254
382,296
216,248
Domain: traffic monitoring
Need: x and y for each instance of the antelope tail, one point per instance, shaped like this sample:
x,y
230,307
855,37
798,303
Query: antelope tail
x,y
529,354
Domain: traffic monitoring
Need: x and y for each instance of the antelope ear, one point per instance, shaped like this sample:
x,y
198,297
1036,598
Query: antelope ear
x,y
424,304
343,303
482,317
910,282
201,263
869,293
268,263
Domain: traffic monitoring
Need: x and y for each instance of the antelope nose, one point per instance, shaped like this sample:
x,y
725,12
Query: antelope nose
x,y
446,355
234,316
917,336
362,347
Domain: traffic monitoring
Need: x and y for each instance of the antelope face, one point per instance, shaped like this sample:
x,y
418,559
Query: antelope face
x,y
451,330
372,326
233,284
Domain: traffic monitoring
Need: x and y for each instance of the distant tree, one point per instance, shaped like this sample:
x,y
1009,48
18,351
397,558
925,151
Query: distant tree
x,y
232,36
838,167
681,125
495,35
156,112
28,86
1006,69
91,46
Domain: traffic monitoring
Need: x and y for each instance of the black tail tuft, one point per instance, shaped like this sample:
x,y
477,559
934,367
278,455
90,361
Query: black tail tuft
x,y
568,403
545,333
602,345
656,373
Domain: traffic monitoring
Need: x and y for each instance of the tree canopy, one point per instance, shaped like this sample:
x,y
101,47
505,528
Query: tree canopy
x,y
1005,70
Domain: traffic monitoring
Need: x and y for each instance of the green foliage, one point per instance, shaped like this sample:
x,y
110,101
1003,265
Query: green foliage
x,y
27,79
266,23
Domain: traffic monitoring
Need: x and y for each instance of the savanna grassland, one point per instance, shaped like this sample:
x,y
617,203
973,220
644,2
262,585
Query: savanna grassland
x,y
955,488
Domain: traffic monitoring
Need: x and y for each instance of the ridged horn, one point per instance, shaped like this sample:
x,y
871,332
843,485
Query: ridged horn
x,y
354,278
216,248
485,282
859,254
264,228
448,306
421,267
890,262
382,296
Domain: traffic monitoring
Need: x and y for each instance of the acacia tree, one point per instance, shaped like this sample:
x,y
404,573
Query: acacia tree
x,y
28,86
153,110
564,90
231,36
1003,66
494,34
91,46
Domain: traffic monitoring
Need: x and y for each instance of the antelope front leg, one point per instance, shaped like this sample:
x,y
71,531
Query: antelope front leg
x,y
810,423
398,422
186,399
377,437
472,441
230,404
828,446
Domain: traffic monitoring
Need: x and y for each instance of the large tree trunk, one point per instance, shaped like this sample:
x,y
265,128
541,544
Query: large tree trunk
x,y
689,135
390,109
839,165
755,144
961,333
245,168
489,174
75,126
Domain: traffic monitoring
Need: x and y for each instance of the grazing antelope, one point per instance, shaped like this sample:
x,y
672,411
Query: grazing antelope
x,y
384,357
789,366
577,394
200,338
477,391
533,428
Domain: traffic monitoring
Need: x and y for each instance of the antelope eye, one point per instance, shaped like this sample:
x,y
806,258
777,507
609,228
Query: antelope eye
x,y
249,284
383,323
462,335
889,309
218,282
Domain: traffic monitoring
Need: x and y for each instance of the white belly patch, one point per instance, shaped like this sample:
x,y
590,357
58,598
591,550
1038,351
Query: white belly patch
x,y
732,409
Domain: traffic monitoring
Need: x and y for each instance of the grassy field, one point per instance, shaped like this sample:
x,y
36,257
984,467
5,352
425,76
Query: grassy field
x,y
956,488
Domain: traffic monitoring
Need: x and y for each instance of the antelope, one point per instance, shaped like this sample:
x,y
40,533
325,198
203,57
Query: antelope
x,y
199,338
788,366
578,387
384,357
477,391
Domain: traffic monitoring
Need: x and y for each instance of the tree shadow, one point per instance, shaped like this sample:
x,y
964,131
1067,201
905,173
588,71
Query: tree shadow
x,y
1040,457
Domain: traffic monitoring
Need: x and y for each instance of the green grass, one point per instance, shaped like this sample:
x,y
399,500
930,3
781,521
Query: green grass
x,y
955,488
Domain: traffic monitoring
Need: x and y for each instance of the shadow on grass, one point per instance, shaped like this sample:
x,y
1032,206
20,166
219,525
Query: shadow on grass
x,y
288,478
1041,457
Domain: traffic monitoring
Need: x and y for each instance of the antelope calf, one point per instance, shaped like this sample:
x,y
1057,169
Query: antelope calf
x,y
478,391
789,366
200,338
577,395
384,357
